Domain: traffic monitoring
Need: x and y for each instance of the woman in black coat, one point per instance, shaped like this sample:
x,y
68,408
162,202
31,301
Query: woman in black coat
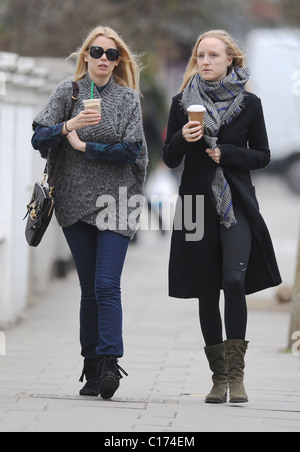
x,y
235,253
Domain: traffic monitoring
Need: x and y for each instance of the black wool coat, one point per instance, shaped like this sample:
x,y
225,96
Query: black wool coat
x,y
196,266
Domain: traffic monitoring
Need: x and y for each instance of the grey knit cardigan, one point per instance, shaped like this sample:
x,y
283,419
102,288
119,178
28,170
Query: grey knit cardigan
x,y
82,185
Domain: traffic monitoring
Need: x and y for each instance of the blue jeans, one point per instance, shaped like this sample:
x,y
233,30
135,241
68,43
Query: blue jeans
x,y
99,258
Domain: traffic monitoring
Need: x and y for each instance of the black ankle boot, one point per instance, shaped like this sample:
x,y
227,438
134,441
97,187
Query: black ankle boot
x,y
110,376
90,372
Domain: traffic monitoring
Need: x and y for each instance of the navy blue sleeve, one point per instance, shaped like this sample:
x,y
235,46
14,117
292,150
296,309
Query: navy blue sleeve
x,y
47,137
117,152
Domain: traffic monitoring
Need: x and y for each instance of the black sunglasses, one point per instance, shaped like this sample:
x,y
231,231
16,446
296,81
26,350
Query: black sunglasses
x,y
98,52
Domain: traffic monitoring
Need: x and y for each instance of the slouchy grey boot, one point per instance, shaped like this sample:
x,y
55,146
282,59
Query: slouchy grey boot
x,y
236,351
217,361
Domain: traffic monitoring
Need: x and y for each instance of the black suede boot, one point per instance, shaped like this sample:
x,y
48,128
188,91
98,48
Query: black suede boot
x,y
110,376
90,372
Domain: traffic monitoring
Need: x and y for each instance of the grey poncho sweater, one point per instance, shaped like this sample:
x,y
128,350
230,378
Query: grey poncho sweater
x,y
99,192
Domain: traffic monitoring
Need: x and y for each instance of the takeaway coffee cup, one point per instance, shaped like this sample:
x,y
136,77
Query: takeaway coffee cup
x,y
197,113
92,104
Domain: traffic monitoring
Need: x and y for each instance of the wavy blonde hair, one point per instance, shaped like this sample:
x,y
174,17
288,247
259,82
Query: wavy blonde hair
x,y
127,73
232,48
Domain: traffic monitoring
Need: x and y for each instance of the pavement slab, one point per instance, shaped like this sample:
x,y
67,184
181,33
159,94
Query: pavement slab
x,y
168,372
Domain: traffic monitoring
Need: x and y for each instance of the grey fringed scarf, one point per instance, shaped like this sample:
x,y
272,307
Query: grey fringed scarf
x,y
223,101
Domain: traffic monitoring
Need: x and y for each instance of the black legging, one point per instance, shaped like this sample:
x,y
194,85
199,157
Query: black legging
x,y
236,246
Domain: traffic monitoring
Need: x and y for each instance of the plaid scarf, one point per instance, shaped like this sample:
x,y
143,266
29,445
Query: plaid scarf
x,y
223,101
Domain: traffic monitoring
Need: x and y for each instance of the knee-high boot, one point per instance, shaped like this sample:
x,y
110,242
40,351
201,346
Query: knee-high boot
x,y
236,351
218,365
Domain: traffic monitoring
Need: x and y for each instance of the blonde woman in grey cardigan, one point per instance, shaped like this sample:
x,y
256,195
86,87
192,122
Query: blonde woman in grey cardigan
x,y
101,173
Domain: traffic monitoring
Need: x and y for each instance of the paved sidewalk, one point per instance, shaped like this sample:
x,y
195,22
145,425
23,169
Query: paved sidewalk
x,y
168,372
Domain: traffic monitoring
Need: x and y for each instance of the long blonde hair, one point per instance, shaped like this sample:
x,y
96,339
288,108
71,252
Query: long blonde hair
x,y
127,73
232,48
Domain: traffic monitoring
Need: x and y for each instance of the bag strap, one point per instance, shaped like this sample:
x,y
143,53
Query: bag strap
x,y
53,173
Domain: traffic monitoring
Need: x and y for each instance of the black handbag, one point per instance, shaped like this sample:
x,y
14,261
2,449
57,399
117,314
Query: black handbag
x,y
39,211
41,206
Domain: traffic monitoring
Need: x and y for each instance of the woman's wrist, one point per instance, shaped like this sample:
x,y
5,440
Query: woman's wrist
x,y
82,147
67,128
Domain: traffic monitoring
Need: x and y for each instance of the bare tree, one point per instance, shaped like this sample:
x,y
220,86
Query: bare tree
x,y
55,27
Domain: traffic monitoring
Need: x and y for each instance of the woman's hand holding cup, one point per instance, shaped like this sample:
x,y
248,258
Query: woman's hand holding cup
x,y
84,119
192,131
